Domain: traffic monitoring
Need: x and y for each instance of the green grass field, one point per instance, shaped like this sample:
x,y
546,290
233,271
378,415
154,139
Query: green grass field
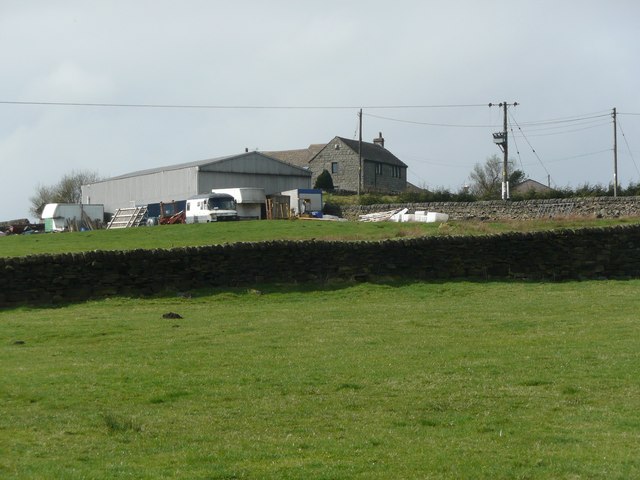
x,y
252,231
369,381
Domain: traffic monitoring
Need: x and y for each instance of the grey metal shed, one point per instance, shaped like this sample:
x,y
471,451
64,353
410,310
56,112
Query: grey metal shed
x,y
179,182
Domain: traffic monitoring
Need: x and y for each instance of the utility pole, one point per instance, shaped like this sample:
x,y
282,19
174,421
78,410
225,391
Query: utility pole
x,y
615,154
501,139
505,163
360,152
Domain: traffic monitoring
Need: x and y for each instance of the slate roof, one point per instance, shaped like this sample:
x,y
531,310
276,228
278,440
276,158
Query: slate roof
x,y
300,157
370,151
374,153
530,184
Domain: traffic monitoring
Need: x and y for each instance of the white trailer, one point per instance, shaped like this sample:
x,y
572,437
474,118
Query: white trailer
x,y
304,200
211,207
59,217
250,202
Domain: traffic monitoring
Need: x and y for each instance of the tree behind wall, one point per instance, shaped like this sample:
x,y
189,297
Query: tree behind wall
x,y
486,179
67,190
324,181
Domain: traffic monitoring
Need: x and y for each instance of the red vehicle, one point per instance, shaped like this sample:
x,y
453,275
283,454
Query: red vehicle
x,y
168,214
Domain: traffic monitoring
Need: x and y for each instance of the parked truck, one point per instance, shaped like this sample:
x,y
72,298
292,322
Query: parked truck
x,y
250,202
211,207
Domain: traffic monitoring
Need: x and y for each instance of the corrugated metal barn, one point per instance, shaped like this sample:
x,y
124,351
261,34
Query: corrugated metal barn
x,y
179,182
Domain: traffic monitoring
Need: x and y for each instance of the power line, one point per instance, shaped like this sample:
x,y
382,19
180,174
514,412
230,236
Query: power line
x,y
308,107
556,160
578,123
437,164
532,149
428,123
589,120
355,132
517,148
578,120
573,119
567,131
467,105
565,119
628,148
229,107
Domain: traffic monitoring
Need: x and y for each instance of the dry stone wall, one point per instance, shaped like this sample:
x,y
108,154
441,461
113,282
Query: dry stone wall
x,y
558,255
596,207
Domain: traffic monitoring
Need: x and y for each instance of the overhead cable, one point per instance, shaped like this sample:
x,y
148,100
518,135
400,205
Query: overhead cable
x,y
543,128
531,146
428,123
231,107
544,124
628,148
565,119
517,149
556,160
437,164
566,131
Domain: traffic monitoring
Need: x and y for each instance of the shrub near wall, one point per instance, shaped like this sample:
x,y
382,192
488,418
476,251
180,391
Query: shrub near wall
x,y
559,255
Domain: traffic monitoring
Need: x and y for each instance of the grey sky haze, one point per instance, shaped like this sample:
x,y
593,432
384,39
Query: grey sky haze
x,y
557,59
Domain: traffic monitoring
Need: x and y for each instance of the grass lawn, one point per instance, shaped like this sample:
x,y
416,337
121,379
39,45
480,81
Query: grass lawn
x,y
169,236
368,381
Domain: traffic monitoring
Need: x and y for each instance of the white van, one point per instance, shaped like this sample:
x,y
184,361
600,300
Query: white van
x,y
211,207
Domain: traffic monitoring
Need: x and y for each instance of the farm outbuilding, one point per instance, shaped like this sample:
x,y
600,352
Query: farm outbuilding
x,y
179,182
59,217
304,200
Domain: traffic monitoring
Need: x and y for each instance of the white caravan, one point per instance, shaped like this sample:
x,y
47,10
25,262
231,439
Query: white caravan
x,y
250,202
59,217
211,207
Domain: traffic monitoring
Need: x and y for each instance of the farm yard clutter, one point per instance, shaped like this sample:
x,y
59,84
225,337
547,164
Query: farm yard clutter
x,y
497,210
60,217
16,227
403,215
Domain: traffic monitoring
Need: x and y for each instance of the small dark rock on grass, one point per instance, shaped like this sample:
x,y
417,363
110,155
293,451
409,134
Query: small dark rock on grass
x,y
171,315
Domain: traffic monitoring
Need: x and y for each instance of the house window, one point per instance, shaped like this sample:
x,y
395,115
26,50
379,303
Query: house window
x,y
334,167
396,172
378,169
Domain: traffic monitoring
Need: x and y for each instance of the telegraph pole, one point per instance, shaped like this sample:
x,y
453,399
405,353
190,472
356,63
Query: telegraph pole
x,y
360,152
501,139
615,154
505,163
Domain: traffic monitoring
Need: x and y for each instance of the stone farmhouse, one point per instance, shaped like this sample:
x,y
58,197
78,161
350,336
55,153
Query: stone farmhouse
x,y
529,185
382,171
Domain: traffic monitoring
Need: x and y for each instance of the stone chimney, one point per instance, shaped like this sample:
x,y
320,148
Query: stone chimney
x,y
379,141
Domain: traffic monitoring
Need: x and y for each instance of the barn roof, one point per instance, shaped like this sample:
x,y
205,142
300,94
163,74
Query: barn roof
x,y
300,157
200,163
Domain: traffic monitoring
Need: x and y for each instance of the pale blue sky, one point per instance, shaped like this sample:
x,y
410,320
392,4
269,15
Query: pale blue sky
x,y
559,60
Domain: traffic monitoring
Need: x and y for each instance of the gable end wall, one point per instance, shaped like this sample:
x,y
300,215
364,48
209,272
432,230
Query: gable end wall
x,y
347,176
